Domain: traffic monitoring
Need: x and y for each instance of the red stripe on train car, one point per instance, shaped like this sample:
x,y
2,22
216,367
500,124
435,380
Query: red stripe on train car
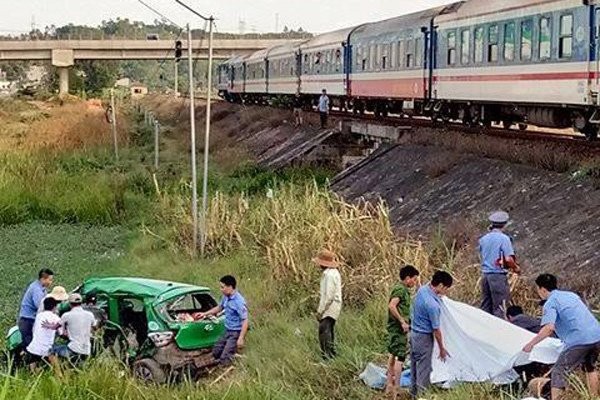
x,y
407,87
547,76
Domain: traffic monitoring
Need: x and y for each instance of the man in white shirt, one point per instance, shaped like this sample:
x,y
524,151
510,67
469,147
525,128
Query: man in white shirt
x,y
78,325
324,108
44,331
330,304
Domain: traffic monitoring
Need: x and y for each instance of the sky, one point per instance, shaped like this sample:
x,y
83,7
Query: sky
x,y
259,15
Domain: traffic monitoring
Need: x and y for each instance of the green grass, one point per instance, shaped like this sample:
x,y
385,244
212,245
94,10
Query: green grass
x,y
71,251
75,188
82,214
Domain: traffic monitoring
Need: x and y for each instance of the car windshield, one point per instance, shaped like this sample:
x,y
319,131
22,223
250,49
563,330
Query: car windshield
x,y
183,308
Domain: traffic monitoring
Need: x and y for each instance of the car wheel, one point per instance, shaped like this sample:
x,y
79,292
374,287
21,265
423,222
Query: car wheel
x,y
149,371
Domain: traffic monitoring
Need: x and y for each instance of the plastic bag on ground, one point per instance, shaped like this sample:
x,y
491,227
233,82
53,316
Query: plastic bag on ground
x,y
375,377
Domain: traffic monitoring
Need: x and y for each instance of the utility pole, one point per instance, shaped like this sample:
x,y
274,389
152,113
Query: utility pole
x,y
193,143
207,137
114,122
210,20
176,79
156,143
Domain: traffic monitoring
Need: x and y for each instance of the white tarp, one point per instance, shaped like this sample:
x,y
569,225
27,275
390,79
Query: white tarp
x,y
484,348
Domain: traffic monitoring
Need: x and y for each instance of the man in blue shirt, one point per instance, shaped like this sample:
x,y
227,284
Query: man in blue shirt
x,y
425,328
324,108
236,321
497,258
30,304
574,324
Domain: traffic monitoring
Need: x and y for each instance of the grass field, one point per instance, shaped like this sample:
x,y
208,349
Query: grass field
x,y
266,243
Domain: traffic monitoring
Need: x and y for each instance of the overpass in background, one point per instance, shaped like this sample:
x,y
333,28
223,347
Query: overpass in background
x,y
64,53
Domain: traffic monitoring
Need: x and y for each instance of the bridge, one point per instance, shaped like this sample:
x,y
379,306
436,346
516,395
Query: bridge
x,y
63,53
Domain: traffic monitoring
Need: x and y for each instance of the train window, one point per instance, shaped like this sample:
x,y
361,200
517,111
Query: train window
x,y
509,41
479,45
384,62
545,38
465,46
401,54
526,39
493,44
451,48
410,56
306,63
418,52
372,59
565,44
338,60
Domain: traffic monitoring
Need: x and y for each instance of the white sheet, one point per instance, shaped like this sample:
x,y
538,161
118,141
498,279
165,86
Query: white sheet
x,y
484,348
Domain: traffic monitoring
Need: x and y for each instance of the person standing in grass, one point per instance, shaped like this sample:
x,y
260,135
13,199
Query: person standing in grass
x,y
45,327
297,105
78,325
497,259
31,302
323,108
399,324
425,329
236,321
567,315
330,304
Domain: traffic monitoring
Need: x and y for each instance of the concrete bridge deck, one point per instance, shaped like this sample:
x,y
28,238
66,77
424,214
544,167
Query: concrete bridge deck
x,y
127,49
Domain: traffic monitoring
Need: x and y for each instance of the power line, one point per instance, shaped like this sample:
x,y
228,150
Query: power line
x,y
159,14
194,11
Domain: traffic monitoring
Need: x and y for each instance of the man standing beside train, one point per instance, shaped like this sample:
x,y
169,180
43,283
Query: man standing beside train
x,y
497,259
324,108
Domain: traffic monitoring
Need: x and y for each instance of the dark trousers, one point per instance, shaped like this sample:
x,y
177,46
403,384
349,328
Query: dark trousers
x,y
495,294
421,351
323,116
26,329
226,347
327,337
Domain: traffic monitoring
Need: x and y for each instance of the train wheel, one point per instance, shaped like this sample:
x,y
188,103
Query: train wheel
x,y
522,126
506,123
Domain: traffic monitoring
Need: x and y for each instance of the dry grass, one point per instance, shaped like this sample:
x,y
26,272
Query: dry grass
x,y
549,155
78,125
288,229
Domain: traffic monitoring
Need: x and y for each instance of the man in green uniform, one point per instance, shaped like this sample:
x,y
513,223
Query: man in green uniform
x,y
398,325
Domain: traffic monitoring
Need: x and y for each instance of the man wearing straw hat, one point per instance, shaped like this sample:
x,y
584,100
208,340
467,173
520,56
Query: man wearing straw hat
x,y
497,259
330,303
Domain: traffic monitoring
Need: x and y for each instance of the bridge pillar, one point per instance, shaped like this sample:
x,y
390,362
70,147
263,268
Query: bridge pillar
x,y
63,81
63,59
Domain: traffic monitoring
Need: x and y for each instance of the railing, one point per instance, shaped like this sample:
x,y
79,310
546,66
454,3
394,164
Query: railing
x,y
92,35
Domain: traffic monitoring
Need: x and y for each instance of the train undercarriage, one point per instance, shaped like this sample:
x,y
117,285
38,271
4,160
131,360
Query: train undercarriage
x,y
585,120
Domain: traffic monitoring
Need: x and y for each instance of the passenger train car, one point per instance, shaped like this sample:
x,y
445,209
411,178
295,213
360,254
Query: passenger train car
x,y
479,61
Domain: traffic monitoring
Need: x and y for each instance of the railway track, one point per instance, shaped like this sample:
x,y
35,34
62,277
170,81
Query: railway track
x,y
528,134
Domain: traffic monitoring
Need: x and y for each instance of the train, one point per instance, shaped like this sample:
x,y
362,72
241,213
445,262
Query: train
x,y
480,62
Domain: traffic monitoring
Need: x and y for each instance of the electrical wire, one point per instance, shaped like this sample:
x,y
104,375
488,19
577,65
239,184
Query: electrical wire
x,y
159,13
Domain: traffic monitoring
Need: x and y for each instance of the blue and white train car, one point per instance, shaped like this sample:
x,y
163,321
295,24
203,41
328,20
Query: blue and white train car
x,y
256,77
390,63
284,64
518,61
324,65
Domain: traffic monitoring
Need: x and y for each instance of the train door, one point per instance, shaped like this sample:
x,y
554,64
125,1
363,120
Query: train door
x,y
425,55
299,72
595,54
